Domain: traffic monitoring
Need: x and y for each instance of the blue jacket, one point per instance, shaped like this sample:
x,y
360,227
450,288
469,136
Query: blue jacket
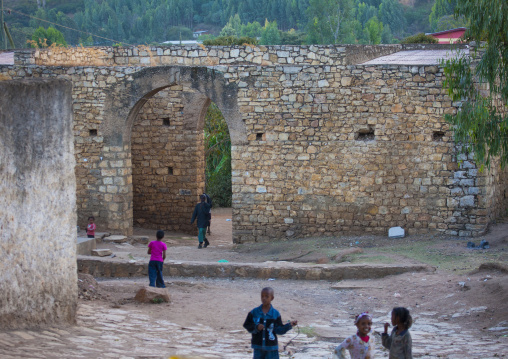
x,y
267,338
201,212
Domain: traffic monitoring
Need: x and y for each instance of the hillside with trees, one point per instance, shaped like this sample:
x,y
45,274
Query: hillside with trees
x,y
131,22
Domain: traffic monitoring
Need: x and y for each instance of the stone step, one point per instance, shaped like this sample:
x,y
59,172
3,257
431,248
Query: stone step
x,y
104,267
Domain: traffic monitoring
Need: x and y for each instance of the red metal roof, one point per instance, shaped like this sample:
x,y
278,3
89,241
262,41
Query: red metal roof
x,y
458,30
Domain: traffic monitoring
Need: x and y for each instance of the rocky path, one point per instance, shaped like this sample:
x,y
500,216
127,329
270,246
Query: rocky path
x,y
194,327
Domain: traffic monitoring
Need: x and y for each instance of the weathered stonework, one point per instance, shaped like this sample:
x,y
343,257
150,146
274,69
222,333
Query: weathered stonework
x,y
167,152
38,280
320,146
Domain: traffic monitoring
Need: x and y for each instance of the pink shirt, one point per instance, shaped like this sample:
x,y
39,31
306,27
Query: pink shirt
x,y
90,229
157,247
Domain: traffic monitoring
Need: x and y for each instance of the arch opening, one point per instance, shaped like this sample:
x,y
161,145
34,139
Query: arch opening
x,y
154,145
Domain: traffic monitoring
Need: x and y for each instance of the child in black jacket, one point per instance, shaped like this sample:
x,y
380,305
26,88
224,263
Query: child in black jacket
x,y
264,323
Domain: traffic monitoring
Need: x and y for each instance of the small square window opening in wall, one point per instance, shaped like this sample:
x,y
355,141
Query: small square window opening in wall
x,y
365,134
438,136
260,136
93,132
170,170
166,122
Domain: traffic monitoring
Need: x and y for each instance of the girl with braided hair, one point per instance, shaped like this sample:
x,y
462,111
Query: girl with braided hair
x,y
399,341
361,344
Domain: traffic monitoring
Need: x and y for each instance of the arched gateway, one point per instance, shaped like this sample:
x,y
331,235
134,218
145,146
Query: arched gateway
x,y
195,87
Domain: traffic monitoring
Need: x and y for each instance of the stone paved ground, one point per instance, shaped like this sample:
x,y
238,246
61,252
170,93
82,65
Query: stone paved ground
x,y
129,330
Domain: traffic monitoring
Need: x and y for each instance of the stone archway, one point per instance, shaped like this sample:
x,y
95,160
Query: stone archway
x,y
122,105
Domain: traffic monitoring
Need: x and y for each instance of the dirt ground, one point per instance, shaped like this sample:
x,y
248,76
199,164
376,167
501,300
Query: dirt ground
x,y
468,290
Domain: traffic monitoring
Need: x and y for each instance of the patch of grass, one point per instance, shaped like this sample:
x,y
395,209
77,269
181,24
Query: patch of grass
x,y
443,254
157,300
308,331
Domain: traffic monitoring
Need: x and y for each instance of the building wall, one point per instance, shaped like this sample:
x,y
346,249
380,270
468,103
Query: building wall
x,y
318,149
166,158
38,273
350,149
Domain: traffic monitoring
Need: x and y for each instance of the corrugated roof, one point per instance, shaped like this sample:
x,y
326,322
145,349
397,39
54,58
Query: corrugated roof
x,y
415,57
447,31
7,58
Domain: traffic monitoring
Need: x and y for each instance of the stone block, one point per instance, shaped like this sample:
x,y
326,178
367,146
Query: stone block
x,y
152,295
467,201
101,252
396,232
115,239
85,246
139,239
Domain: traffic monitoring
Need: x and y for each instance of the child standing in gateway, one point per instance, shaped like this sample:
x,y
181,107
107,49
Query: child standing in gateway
x,y
399,341
157,250
359,345
90,228
264,323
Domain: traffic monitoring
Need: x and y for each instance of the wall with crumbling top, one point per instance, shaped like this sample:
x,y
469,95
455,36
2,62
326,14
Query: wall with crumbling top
x,y
319,147
203,55
38,281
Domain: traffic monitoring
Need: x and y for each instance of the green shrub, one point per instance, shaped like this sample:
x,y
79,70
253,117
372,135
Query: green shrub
x,y
420,38
218,158
230,41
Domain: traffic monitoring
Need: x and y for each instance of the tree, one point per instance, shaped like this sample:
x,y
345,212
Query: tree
x,y
179,33
386,35
391,13
46,37
292,37
373,30
364,12
328,20
228,30
270,34
252,29
439,9
481,124
450,22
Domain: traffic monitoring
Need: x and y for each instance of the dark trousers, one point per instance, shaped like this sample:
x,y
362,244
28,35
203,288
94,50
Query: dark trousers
x,y
266,354
155,274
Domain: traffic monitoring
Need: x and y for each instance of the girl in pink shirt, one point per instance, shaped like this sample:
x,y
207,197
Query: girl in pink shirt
x,y
157,250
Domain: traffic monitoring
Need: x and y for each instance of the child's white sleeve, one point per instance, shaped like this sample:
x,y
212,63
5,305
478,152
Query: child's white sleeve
x,y
340,351
370,351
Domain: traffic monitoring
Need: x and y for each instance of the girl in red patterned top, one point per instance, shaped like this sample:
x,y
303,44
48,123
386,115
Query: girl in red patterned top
x,y
359,345
90,228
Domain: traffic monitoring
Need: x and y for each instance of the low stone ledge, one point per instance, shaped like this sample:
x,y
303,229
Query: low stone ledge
x,y
102,267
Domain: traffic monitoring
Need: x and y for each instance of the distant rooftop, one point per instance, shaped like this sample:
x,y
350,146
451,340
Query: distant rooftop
x,y
416,57
6,58
184,42
450,31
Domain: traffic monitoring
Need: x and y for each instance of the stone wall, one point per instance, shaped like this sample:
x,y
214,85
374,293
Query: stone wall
x,y
317,149
199,55
38,281
166,159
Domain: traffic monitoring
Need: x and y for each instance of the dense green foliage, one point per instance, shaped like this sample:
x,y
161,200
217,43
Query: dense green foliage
x,y
481,125
230,41
47,37
218,158
271,21
420,39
